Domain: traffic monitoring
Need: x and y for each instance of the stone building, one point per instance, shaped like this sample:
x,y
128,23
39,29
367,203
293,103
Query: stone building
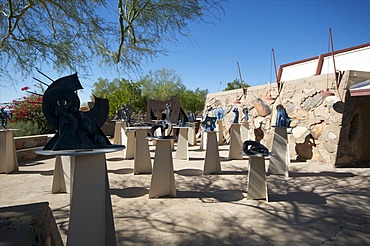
x,y
332,129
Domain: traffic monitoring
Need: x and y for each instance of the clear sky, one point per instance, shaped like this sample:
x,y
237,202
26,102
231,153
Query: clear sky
x,y
246,34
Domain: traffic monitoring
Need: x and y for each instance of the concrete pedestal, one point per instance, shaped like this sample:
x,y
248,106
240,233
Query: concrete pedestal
x,y
192,138
220,133
142,161
119,129
280,159
212,162
8,155
257,188
244,134
129,152
182,143
61,178
236,146
91,217
163,179
203,141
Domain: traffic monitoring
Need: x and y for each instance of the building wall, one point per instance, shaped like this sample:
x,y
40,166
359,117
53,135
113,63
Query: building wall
x,y
355,58
317,126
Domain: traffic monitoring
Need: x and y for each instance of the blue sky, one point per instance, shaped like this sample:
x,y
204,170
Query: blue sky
x,y
246,34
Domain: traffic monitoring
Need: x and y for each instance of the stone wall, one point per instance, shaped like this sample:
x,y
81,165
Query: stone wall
x,y
324,128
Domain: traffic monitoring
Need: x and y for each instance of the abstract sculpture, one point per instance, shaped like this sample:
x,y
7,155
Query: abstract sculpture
x,y
246,111
209,123
75,129
219,113
4,118
124,113
236,117
164,125
253,148
282,118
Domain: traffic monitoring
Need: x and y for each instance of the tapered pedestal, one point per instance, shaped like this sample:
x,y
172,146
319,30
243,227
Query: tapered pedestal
x,y
61,178
182,143
244,128
220,134
142,162
8,155
212,162
257,188
235,147
192,138
280,160
119,130
91,217
163,179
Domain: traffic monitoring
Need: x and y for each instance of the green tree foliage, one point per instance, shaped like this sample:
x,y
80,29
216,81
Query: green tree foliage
x,y
68,35
236,84
162,84
193,101
120,92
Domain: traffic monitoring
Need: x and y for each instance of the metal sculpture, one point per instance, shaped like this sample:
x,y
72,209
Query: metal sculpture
x,y
209,123
75,129
4,116
253,148
124,113
282,118
164,125
219,113
236,117
246,116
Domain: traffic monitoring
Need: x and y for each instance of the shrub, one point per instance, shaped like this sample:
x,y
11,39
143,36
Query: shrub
x,y
24,128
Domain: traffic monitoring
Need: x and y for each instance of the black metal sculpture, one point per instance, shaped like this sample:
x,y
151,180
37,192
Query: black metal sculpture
x,y
75,129
253,148
4,118
124,113
165,124
236,117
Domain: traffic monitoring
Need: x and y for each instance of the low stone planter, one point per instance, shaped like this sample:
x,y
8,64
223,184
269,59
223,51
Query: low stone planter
x,y
25,146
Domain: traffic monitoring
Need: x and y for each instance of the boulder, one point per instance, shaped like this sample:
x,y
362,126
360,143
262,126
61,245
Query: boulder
x,y
261,108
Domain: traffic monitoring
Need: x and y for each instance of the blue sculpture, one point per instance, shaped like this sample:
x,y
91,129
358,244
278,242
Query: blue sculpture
x,y
236,117
245,111
282,118
209,123
219,113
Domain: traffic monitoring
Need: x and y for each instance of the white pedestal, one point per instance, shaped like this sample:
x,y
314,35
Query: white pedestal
x,y
220,133
192,138
142,162
163,179
61,178
91,217
203,141
280,161
129,152
257,188
212,162
236,146
182,144
8,155
119,129
244,128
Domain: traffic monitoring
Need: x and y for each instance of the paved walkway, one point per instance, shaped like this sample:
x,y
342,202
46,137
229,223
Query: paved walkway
x,y
316,205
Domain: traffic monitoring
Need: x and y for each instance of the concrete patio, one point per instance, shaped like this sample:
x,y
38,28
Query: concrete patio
x,y
316,205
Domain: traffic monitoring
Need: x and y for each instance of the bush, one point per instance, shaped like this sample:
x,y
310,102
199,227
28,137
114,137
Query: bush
x,y
24,128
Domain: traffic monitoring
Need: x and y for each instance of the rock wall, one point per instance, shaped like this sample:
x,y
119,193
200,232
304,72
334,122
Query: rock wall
x,y
323,128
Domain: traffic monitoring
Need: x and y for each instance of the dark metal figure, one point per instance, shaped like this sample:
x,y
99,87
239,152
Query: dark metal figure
x,y
252,148
75,129
164,124
209,123
282,118
236,117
